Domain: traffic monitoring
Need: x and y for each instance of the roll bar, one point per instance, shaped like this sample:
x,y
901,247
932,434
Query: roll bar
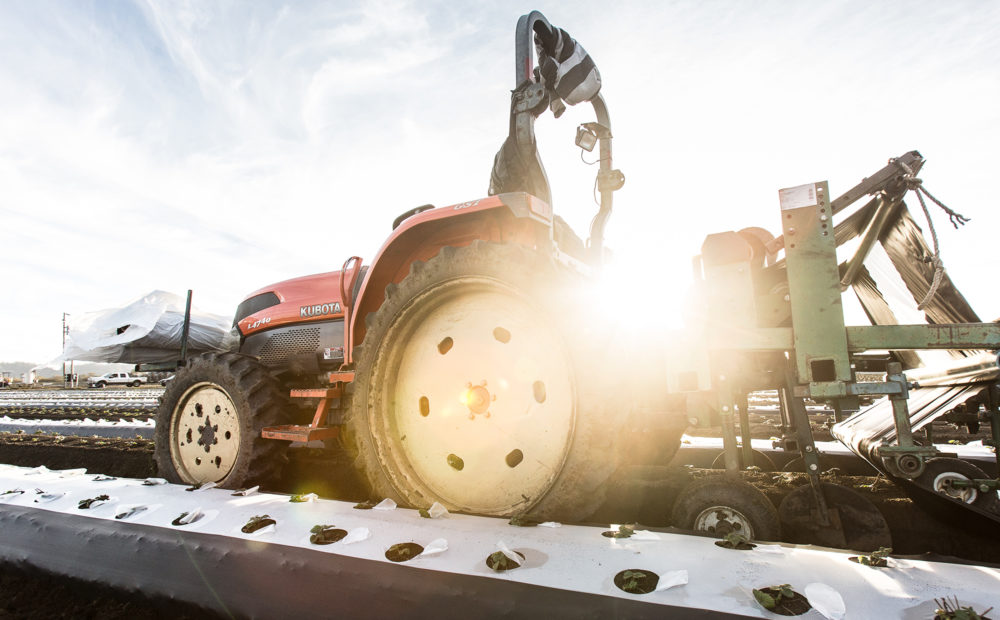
x,y
608,179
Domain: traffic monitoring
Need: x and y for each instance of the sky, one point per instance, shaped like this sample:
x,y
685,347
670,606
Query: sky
x,y
222,146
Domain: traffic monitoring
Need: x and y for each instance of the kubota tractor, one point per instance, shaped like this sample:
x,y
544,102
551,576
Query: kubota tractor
x,y
460,365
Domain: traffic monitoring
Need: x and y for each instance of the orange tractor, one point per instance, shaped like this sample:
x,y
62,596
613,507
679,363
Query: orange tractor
x,y
459,366
464,364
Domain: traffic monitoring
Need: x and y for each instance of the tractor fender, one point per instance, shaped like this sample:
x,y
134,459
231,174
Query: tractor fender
x,y
515,217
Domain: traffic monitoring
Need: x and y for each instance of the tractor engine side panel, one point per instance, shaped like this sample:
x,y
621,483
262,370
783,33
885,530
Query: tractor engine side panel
x,y
304,349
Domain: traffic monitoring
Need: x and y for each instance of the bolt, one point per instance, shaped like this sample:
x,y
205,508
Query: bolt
x,y
787,298
823,218
725,407
809,448
813,467
791,231
693,421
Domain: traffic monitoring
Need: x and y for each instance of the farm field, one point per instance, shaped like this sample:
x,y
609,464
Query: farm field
x,y
645,498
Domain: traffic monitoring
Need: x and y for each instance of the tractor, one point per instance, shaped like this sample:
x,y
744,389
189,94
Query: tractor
x,y
464,364
460,365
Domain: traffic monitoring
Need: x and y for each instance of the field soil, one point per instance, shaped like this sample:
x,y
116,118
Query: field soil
x,y
643,495
27,593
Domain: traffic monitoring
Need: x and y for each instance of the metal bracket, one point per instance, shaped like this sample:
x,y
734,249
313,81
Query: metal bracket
x,y
981,484
610,180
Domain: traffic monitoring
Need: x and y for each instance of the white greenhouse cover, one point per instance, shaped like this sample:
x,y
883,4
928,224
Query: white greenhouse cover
x,y
147,330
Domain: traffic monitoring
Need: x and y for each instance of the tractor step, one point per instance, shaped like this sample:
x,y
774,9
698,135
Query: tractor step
x,y
307,432
334,392
300,432
340,376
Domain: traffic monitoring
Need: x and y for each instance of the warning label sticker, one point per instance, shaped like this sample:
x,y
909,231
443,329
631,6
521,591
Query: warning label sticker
x,y
797,197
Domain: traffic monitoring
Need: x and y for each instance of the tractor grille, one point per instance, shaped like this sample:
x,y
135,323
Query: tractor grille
x,y
287,343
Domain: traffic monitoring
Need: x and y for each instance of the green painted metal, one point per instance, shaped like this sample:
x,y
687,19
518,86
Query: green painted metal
x,y
969,336
944,336
814,284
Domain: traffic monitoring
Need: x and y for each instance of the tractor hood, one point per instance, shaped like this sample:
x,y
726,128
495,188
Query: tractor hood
x,y
299,300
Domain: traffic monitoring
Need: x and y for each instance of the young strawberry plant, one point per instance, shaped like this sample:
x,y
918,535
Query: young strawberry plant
x,y
877,559
326,534
951,609
623,531
637,581
86,504
402,552
256,523
499,561
782,600
735,540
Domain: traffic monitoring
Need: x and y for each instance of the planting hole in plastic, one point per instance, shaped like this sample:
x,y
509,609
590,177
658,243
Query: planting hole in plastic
x,y
499,562
636,581
401,552
326,535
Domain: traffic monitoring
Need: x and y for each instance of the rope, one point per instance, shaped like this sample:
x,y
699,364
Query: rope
x,y
956,219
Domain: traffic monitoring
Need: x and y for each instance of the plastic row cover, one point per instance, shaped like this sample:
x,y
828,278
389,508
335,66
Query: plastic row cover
x,y
147,330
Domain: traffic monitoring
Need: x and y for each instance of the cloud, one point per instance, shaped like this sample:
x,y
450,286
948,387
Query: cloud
x,y
222,146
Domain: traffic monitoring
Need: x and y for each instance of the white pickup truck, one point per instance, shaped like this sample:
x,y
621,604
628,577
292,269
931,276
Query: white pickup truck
x,y
116,378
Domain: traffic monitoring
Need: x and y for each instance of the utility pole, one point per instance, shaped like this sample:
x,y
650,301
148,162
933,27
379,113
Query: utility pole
x,y
65,330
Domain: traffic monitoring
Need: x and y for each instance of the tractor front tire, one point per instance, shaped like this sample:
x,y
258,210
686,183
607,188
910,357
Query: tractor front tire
x,y
209,421
478,386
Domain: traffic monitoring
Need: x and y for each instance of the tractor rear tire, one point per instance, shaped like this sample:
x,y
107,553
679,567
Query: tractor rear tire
x,y
209,420
478,387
